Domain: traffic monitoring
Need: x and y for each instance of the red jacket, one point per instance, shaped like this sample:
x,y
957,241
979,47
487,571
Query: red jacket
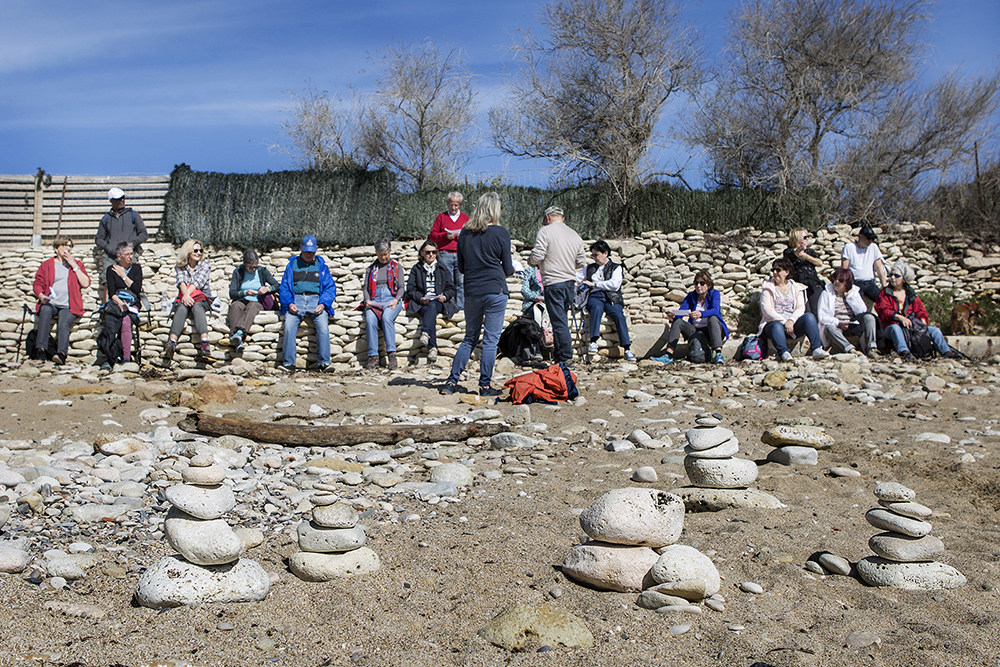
x,y
46,275
443,225
546,385
886,307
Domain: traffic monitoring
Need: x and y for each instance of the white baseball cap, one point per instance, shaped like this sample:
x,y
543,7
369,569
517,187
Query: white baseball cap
x,y
115,193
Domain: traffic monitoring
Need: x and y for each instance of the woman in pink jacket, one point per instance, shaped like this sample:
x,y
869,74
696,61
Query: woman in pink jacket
x,y
57,286
783,313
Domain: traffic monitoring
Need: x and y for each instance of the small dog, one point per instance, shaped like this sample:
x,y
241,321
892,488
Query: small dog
x,y
963,318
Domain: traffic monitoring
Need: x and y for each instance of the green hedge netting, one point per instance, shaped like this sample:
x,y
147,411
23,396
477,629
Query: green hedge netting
x,y
349,208
277,209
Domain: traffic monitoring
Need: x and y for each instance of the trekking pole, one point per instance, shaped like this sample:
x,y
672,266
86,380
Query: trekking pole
x,y
20,331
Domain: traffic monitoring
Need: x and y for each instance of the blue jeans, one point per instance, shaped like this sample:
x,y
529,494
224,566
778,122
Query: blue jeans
x,y
449,260
486,313
868,288
774,332
388,325
598,304
895,333
559,298
306,303
428,321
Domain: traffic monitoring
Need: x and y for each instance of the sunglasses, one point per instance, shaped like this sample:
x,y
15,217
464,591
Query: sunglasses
x,y
196,251
430,252
701,282
840,280
897,275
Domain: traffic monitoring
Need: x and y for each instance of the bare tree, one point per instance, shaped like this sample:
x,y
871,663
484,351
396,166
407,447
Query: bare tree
x,y
824,94
587,96
419,120
319,130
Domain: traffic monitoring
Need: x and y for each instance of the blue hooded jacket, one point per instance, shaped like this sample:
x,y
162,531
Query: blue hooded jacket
x,y
327,288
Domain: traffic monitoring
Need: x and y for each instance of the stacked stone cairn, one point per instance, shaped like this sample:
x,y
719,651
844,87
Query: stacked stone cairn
x,y
796,445
207,566
333,542
905,552
630,546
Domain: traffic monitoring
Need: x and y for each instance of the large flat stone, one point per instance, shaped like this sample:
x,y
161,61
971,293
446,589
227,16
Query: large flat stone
x,y
876,571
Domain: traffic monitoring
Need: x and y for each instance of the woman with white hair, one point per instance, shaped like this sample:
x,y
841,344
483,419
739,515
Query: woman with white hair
x,y
902,313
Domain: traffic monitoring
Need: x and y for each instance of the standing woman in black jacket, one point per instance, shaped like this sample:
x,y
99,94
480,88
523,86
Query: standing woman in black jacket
x,y
250,283
430,291
805,261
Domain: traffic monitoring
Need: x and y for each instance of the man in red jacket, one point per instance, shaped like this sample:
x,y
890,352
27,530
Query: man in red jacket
x,y
444,233
57,288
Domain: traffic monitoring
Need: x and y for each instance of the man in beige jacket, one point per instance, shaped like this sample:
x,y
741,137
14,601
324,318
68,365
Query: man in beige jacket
x,y
558,253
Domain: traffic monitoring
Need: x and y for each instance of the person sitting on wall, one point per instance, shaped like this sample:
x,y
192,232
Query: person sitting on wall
x,y
57,287
194,297
124,283
250,285
701,311
865,261
603,278
307,289
842,313
382,291
783,313
804,264
899,308
429,293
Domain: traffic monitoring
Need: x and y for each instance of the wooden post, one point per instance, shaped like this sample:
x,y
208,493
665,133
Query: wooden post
x,y
36,224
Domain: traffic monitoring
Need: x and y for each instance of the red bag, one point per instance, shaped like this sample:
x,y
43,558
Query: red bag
x,y
547,385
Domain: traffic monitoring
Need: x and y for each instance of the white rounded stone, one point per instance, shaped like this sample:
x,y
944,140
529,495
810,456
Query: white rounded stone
x,y
910,509
700,438
683,563
883,519
645,475
324,498
203,502
894,492
313,537
794,455
720,473
452,472
174,582
876,571
312,566
904,549
200,541
336,515
12,560
728,448
207,476
634,516
611,567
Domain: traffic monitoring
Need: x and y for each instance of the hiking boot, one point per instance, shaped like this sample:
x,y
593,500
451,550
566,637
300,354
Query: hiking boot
x,y
907,356
448,389
629,356
432,355
425,339
168,351
391,362
372,363
718,359
489,391
287,368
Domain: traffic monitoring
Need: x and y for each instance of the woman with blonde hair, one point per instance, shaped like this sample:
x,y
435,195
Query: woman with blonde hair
x,y
194,297
484,258
805,261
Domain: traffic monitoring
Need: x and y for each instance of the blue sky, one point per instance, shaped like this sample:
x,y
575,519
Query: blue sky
x,y
132,88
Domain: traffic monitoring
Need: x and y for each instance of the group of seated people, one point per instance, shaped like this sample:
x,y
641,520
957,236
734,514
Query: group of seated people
x,y
794,302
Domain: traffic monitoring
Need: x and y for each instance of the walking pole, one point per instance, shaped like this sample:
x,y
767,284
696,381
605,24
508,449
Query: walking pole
x,y
20,331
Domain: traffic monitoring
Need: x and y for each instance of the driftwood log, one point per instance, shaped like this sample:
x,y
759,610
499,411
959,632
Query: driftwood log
x,y
325,436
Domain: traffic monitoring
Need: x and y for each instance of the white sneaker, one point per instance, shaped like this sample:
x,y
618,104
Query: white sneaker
x,y
820,353
593,347
786,356
629,356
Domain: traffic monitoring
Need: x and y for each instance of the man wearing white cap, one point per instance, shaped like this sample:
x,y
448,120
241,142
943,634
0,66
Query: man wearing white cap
x,y
119,224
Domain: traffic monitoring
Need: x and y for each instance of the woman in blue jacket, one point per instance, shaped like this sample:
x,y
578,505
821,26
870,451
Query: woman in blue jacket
x,y
700,311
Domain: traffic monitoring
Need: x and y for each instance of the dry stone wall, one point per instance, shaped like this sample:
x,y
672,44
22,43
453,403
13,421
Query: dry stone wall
x,y
660,269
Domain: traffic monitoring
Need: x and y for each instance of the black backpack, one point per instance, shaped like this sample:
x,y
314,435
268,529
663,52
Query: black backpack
x,y
32,338
698,348
918,338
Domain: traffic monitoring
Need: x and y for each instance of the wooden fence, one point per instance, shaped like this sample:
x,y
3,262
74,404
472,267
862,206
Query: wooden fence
x,y
72,205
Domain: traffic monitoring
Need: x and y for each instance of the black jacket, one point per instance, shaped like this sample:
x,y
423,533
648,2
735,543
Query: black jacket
x,y
416,288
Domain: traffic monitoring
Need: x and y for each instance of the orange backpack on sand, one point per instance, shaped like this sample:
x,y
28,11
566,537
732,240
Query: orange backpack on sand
x,y
546,385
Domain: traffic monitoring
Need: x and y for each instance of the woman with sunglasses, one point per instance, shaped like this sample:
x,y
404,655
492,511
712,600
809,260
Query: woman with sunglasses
x,y
898,307
842,313
430,291
805,261
701,310
250,283
57,287
194,297
783,313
